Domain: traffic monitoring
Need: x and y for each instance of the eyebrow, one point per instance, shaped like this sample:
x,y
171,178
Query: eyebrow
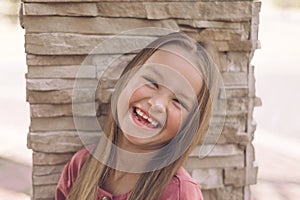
x,y
152,69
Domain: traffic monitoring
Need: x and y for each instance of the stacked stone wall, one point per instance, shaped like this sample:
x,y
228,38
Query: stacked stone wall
x,y
61,33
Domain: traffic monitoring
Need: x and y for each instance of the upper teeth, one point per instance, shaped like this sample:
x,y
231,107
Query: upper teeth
x,y
152,121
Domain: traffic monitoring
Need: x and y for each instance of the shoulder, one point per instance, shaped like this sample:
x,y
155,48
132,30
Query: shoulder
x,y
80,157
182,187
71,171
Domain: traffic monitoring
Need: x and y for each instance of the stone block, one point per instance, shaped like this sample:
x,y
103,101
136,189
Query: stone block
x,y
78,44
62,110
208,178
91,25
234,106
220,150
61,96
235,78
47,169
76,9
59,84
53,72
63,141
46,60
240,176
44,191
245,26
234,61
224,11
236,45
109,75
50,159
64,124
227,192
216,34
50,110
215,162
45,179
231,92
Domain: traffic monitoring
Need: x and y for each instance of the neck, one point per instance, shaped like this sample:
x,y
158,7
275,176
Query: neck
x,y
130,158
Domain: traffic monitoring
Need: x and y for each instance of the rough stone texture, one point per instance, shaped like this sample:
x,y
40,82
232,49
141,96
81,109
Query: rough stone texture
x,y
208,178
49,159
228,192
240,176
46,60
62,110
86,25
211,162
60,41
61,72
64,141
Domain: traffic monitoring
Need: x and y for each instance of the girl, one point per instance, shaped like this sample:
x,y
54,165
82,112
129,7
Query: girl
x,y
160,111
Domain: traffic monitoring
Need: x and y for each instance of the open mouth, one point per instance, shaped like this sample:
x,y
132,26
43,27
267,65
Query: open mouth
x,y
144,119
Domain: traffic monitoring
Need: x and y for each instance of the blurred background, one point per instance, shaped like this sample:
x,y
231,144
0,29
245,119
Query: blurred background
x,y
277,72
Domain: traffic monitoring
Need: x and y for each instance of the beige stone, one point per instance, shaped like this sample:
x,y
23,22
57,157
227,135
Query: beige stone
x,y
78,44
234,61
50,159
236,45
109,76
47,170
234,106
213,162
208,178
220,150
50,110
82,9
91,25
61,110
240,176
45,179
62,140
59,60
230,92
44,191
235,78
61,96
47,72
231,11
59,84
216,34
227,192
214,24
64,124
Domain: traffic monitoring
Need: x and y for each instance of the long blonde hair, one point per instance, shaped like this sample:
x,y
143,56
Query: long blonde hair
x,y
151,184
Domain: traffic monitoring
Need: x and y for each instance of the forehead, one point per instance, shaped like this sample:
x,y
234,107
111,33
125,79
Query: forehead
x,y
179,64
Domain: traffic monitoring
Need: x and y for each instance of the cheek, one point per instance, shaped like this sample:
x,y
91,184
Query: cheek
x,y
174,120
139,93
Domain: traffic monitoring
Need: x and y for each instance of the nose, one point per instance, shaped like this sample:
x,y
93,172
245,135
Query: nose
x,y
158,103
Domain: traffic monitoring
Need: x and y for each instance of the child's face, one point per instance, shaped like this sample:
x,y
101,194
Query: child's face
x,y
157,100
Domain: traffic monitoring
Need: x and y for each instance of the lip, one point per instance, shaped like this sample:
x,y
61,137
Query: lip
x,y
138,122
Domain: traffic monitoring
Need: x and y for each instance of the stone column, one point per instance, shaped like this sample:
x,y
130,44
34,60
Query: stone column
x,y
60,34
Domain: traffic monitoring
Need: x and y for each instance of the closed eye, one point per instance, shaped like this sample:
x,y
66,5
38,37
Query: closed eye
x,y
180,103
151,81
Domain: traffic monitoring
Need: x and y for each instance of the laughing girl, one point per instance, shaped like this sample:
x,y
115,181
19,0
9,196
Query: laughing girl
x,y
160,111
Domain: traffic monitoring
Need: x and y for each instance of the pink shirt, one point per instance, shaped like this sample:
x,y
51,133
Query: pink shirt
x,y
181,187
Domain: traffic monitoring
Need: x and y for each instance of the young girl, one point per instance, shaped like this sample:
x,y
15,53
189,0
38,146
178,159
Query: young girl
x,y
160,111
